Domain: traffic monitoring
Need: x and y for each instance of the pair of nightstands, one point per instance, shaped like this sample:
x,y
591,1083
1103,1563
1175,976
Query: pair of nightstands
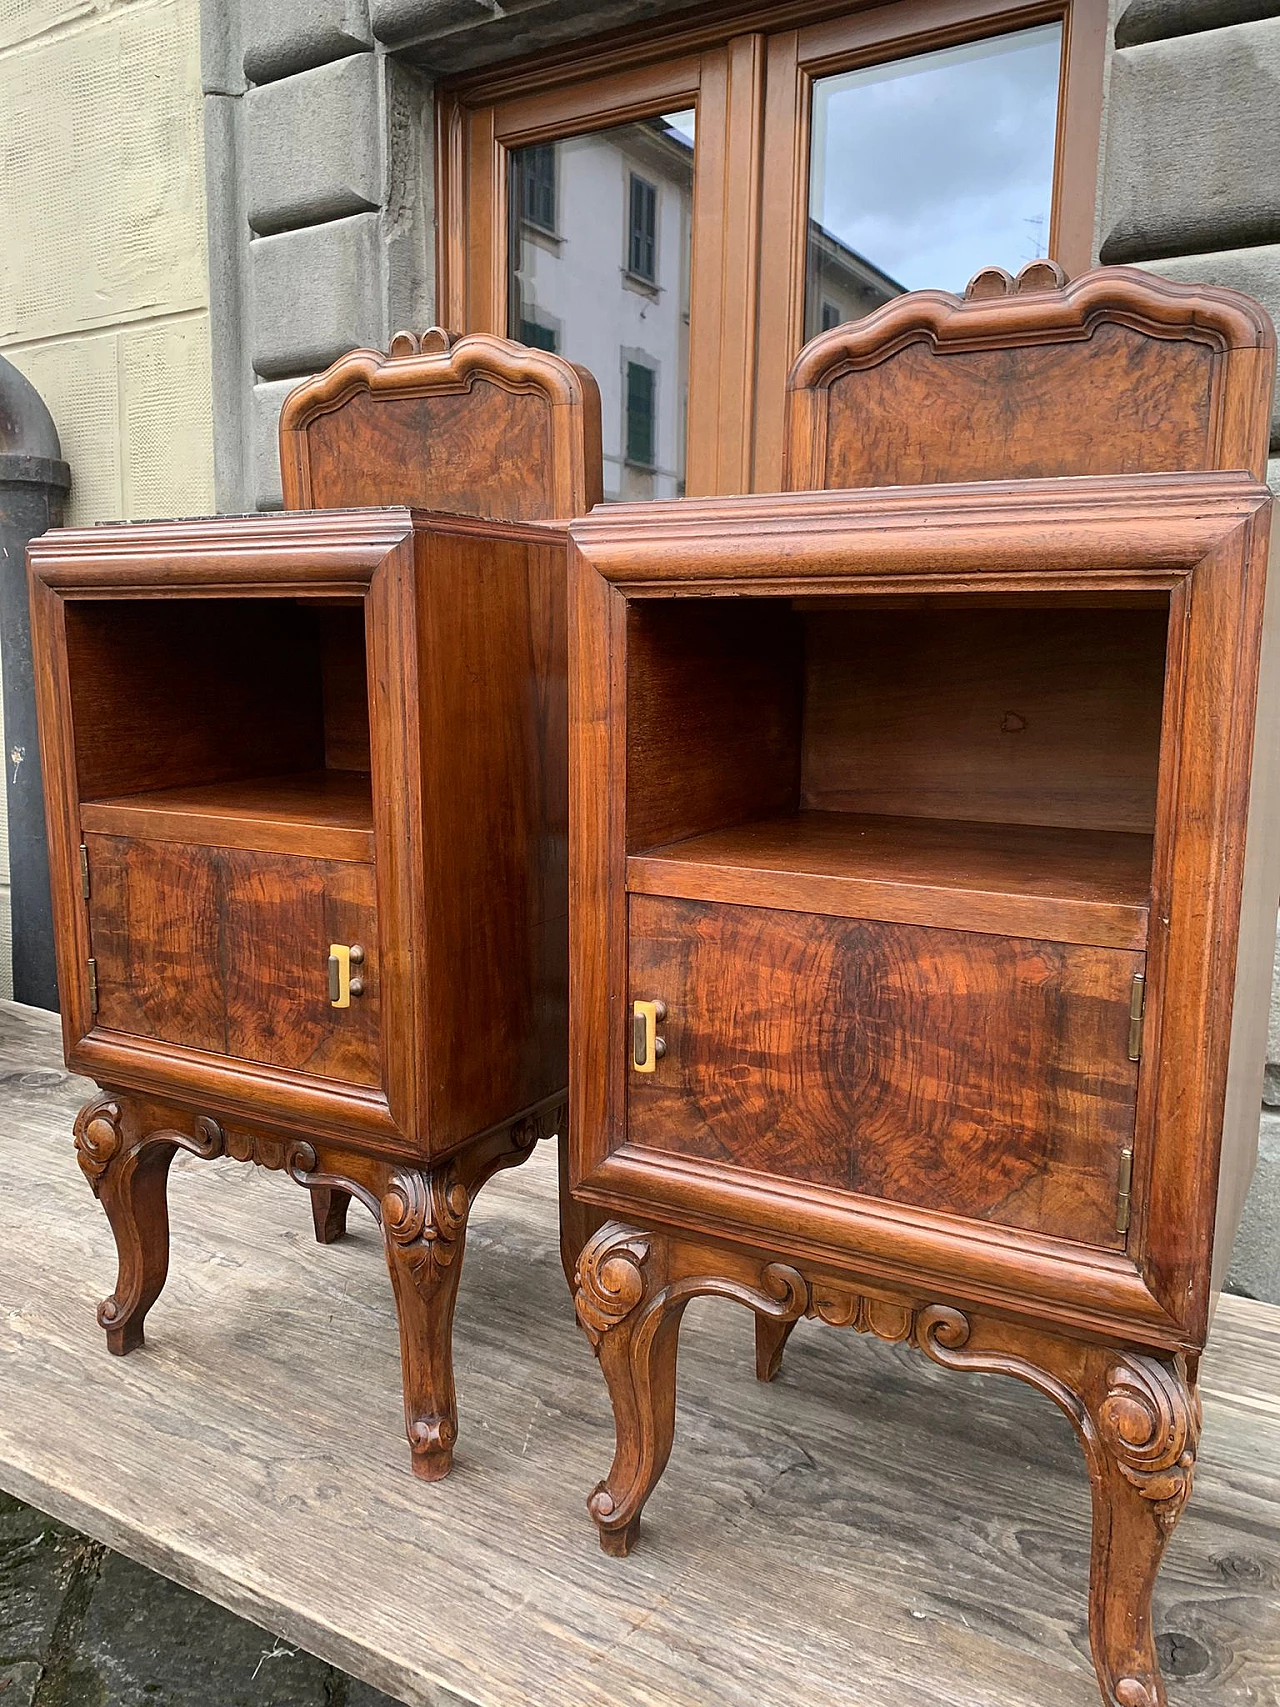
x,y
921,872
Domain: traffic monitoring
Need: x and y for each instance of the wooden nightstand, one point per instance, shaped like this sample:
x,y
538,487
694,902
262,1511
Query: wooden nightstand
x,y
307,819
923,880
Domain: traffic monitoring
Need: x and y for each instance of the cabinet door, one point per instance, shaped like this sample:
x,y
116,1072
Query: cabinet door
x,y
979,1075
226,951
155,916
281,914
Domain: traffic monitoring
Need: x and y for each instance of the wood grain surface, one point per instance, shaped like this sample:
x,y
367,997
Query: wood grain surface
x,y
923,1533
979,1075
1014,716
328,814
174,691
226,950
879,435
1020,879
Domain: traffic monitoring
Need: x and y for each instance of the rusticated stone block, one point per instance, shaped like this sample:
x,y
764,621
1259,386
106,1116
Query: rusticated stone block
x,y
1159,20
267,402
453,35
314,295
311,146
1193,135
1256,272
284,36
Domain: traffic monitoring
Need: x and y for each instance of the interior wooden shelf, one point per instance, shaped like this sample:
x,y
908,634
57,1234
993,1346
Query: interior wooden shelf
x,y
1060,885
322,814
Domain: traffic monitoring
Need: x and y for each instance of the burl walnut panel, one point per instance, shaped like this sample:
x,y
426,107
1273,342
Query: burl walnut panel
x,y
462,452
990,414
981,1075
225,950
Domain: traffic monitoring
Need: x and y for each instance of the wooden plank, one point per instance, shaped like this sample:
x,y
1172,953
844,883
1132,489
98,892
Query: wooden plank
x,y
1034,880
320,814
923,1534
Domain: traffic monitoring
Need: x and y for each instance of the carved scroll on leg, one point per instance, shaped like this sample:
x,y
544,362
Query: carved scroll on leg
x,y
631,1309
129,1173
424,1219
1138,1419
1145,1417
329,1205
619,1297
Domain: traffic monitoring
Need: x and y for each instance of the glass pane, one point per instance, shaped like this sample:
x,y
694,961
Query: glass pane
x,y
599,272
928,169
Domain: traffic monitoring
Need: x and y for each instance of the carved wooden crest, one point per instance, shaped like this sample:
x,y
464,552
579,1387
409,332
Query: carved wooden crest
x,y
477,426
1119,372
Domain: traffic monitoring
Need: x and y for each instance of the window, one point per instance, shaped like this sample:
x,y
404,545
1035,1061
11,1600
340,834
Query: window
x,y
641,382
536,172
538,336
923,170
839,161
642,245
572,295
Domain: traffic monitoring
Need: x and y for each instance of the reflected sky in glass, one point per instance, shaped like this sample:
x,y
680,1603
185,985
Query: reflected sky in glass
x,y
925,170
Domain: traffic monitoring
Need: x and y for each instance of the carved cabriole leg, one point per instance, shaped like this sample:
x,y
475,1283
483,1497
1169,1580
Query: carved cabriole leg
x,y
771,1341
1148,1429
329,1205
1138,1420
1137,1415
125,1146
127,1165
424,1221
630,1305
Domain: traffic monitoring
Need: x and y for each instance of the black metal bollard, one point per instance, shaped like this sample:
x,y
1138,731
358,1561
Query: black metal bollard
x,y
34,482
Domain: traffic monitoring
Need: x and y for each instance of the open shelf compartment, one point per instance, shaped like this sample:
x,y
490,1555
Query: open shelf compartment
x,y
967,766
235,723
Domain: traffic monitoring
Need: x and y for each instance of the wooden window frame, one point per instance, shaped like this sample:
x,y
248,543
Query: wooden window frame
x,y
748,73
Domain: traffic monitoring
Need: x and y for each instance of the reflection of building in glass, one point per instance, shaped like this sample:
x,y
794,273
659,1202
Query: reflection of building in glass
x,y
841,284
600,230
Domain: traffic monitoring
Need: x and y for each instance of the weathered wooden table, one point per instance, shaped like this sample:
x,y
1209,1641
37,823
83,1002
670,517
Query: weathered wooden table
x,y
920,1547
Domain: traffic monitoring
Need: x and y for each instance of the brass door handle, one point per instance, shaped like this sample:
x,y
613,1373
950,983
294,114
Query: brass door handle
x,y
342,986
647,1048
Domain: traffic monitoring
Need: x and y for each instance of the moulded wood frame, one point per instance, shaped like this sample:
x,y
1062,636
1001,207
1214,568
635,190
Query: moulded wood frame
x,y
368,554
1232,326
749,72
440,365
1201,538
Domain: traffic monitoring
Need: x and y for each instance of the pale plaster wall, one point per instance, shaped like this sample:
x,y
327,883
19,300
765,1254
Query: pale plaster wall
x,y
104,288
104,276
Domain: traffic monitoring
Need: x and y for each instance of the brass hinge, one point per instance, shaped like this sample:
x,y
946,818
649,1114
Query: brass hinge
x,y
1137,1000
84,871
93,986
1124,1196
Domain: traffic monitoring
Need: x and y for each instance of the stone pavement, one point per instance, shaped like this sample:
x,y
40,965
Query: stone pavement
x,y
83,1627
